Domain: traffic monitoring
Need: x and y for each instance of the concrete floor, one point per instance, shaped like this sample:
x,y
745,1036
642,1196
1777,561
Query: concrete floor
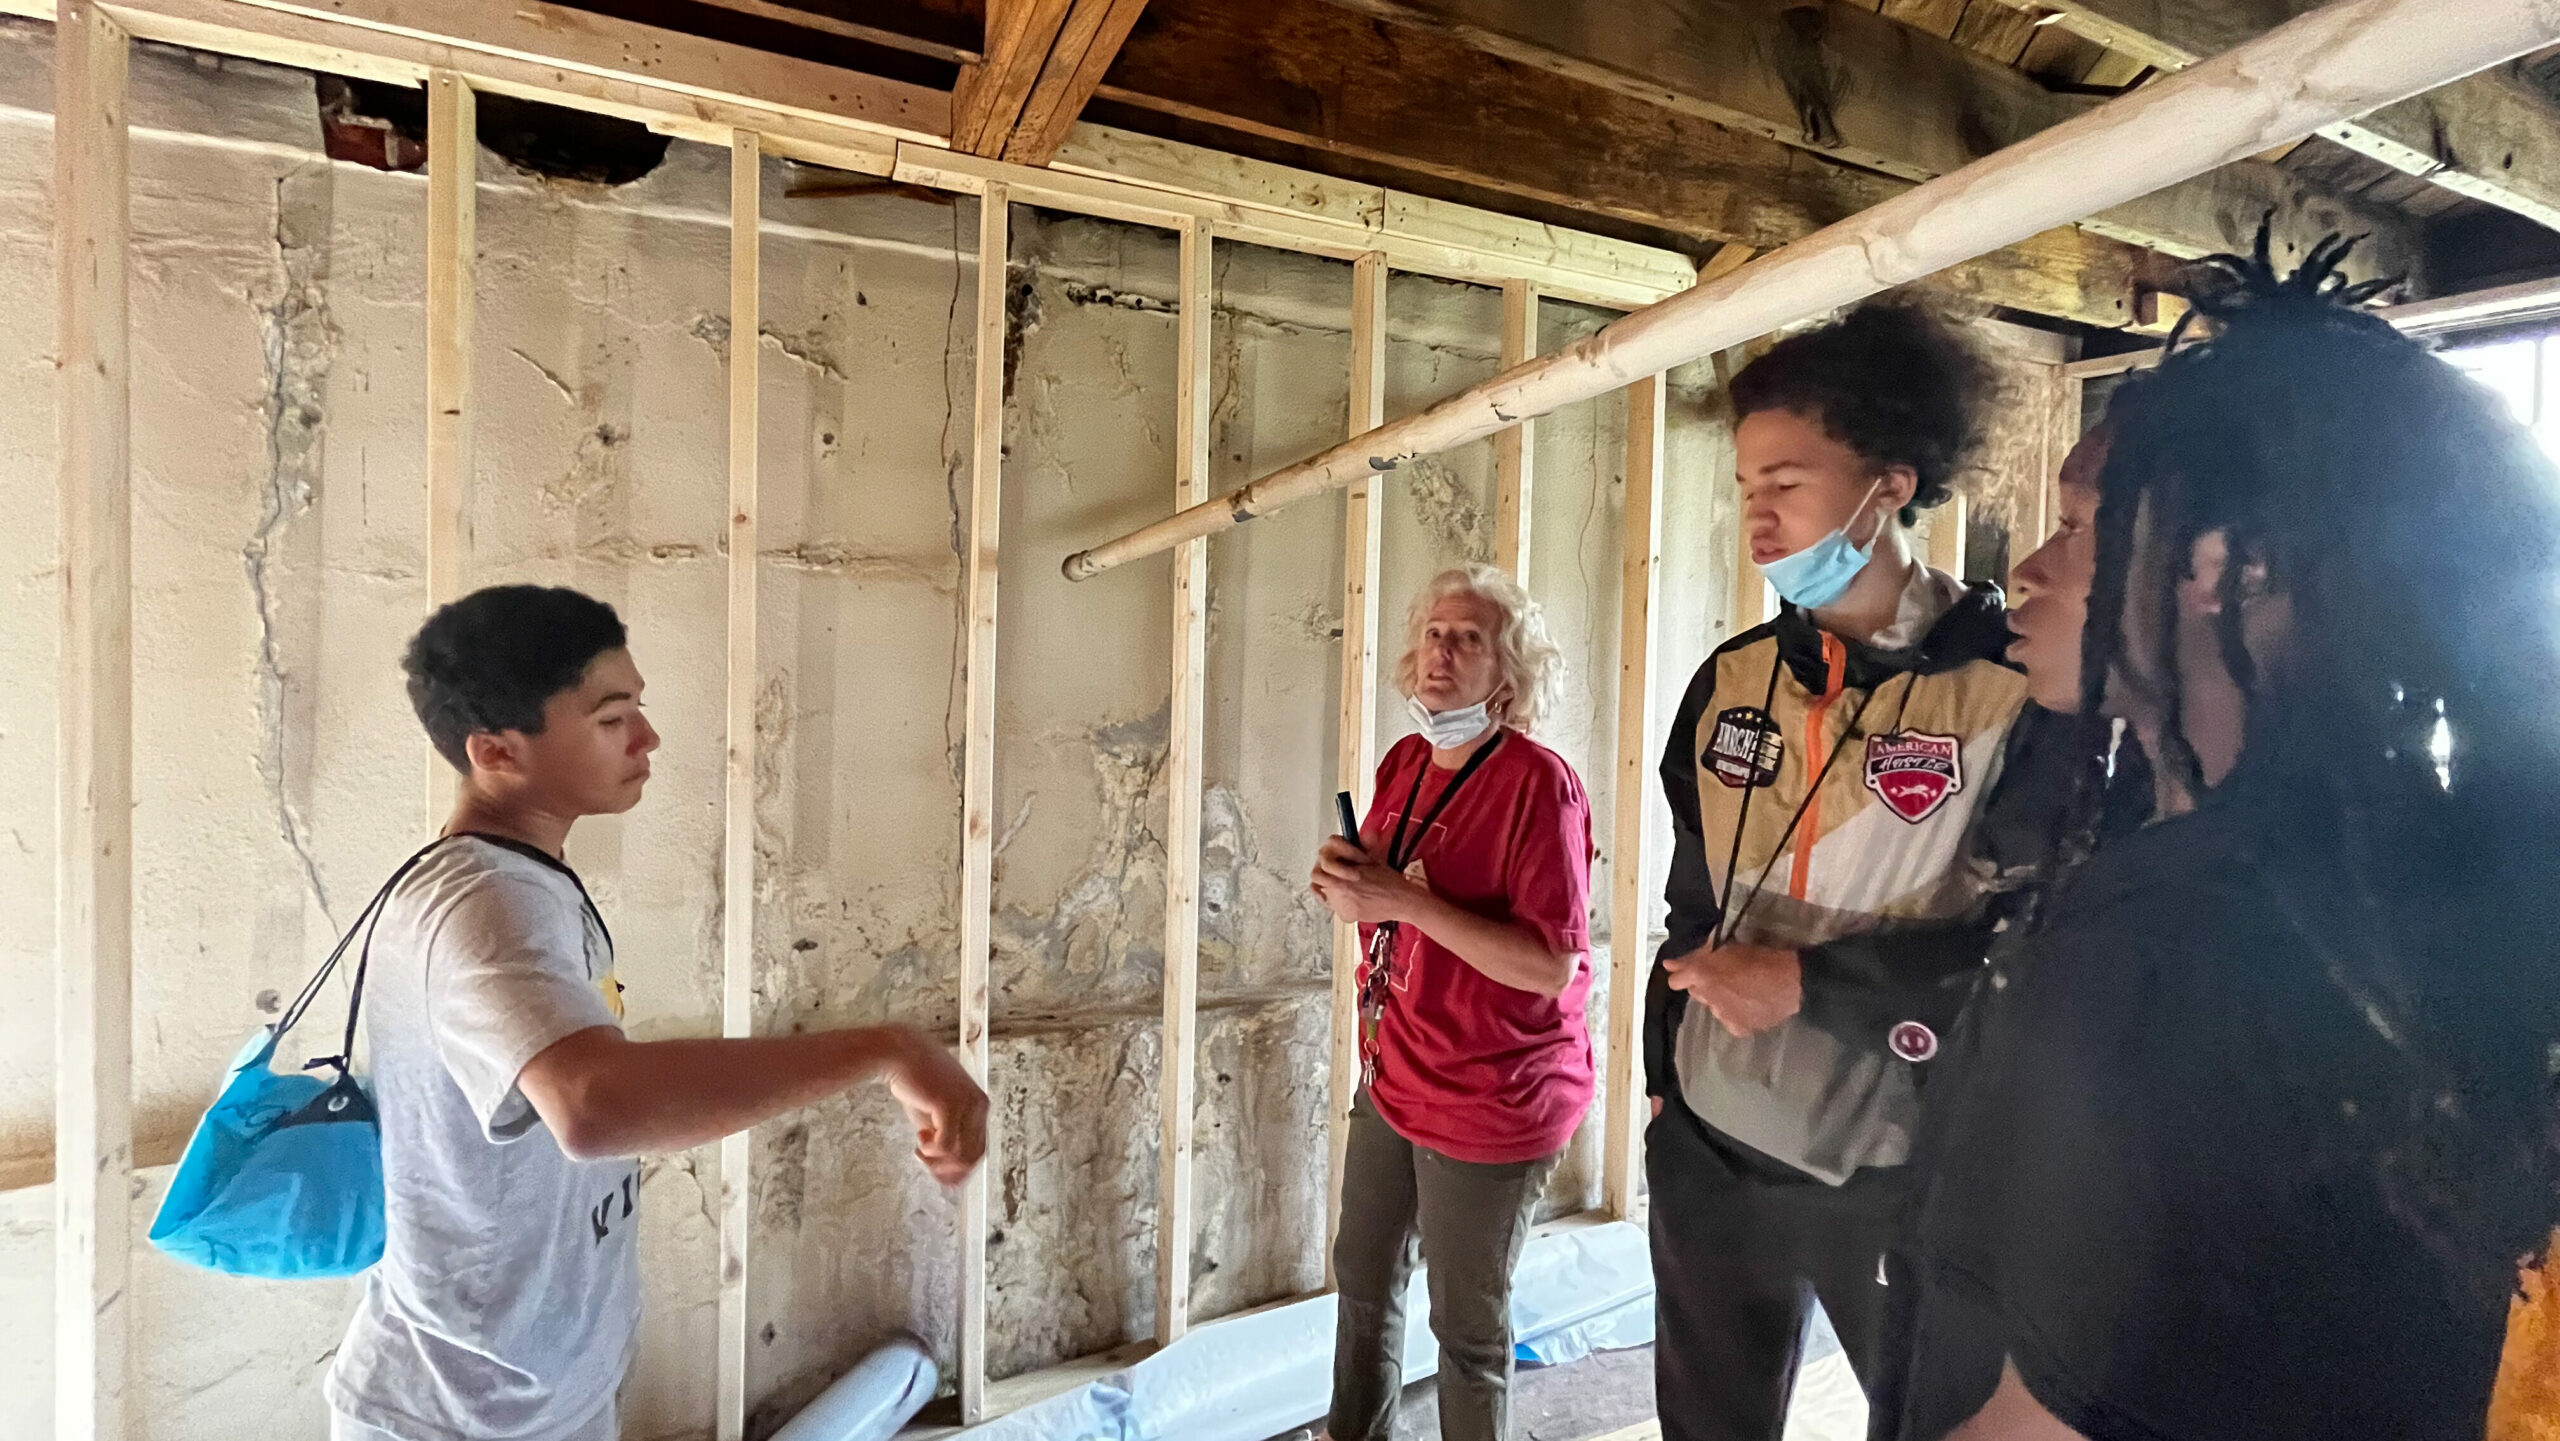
x,y
1604,1392
1609,1391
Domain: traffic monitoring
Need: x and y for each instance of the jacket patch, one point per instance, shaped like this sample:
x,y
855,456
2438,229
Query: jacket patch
x,y
1744,747
1914,772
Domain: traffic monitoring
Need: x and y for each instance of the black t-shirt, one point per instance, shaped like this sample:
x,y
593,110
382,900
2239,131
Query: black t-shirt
x,y
2153,1178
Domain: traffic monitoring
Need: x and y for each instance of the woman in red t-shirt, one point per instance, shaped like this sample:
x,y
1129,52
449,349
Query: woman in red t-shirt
x,y
1471,887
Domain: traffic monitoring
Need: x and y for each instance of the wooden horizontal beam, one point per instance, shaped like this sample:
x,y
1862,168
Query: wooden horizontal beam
x,y
1840,80
2492,136
1287,72
2347,58
1098,172
939,31
599,46
633,93
1146,181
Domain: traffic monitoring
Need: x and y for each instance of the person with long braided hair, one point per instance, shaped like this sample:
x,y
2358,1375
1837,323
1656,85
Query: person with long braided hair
x,y
2251,1127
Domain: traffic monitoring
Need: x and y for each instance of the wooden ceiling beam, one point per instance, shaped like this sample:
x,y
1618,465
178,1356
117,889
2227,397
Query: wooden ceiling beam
x,y
920,29
1482,129
1043,59
1853,85
2493,136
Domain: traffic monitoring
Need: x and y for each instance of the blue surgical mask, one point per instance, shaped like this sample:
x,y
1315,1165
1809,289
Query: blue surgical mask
x,y
1820,574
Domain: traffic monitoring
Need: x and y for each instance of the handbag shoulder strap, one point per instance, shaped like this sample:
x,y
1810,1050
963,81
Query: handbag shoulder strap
x,y
365,922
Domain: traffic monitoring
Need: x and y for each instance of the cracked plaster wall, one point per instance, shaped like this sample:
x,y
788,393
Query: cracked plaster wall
x,y
278,443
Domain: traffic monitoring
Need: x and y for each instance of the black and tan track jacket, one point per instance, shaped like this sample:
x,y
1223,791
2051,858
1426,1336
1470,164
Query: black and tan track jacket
x,y
1882,876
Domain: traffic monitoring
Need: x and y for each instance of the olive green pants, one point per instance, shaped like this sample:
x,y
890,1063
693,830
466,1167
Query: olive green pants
x,y
1470,1220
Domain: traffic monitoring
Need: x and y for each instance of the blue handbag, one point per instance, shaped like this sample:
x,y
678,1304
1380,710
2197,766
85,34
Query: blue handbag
x,y
283,1177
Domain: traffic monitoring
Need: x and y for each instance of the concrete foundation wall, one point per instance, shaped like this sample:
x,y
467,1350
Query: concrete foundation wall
x,y
278,518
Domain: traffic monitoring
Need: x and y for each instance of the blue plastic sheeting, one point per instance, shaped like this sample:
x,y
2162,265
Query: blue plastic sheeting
x,y
1255,1376
871,1401
1580,1292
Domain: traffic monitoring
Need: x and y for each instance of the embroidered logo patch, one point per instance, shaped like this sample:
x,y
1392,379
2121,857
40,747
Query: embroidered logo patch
x,y
1743,748
1914,772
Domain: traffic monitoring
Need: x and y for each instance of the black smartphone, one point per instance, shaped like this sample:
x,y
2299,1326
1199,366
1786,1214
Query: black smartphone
x,y
1350,818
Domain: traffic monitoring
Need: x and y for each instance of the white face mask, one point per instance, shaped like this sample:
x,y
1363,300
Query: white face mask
x,y
1449,729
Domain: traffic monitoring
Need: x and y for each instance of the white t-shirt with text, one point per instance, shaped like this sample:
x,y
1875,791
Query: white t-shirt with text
x,y
509,1289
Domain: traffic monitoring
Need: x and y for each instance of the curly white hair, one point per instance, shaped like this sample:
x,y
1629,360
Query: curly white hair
x,y
1531,665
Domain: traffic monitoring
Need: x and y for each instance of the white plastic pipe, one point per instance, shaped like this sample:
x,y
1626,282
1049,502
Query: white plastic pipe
x,y
2318,69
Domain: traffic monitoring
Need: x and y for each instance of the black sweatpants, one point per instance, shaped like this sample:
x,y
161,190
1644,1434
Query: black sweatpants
x,y
1741,1247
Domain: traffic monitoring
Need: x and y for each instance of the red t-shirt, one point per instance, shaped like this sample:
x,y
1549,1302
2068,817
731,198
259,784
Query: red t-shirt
x,y
1468,1066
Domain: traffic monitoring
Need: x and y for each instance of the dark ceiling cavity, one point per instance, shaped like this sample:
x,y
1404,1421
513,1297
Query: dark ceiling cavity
x,y
385,126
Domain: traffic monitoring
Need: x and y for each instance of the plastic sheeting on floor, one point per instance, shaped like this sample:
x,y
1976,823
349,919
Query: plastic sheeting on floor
x,y
1251,1377
871,1401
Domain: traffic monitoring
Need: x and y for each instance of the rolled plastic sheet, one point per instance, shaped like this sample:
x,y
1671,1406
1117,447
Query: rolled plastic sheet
x,y
870,1402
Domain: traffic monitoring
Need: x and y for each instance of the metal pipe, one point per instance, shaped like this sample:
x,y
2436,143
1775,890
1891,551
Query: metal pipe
x,y
2315,70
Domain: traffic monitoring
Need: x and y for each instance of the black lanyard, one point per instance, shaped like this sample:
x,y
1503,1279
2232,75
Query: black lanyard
x,y
1728,924
1377,979
1397,856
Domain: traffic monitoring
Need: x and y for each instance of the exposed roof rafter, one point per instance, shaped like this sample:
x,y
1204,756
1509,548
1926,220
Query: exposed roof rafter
x,y
1043,59
2491,136
1851,84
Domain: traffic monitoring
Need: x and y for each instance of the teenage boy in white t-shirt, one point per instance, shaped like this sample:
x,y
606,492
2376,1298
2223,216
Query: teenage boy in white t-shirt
x,y
511,1102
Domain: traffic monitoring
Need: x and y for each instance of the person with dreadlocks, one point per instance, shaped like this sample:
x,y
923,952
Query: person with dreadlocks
x,y
2252,1127
1833,776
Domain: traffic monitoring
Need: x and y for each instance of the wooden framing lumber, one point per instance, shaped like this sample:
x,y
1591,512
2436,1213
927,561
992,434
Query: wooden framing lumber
x,y
453,227
1363,521
978,770
1640,549
2490,136
579,41
93,875
990,96
2519,304
1946,537
1725,261
621,83
1098,172
1178,1080
1750,588
1042,60
1515,451
1086,47
1844,82
891,26
1146,181
738,785
2353,56
1285,73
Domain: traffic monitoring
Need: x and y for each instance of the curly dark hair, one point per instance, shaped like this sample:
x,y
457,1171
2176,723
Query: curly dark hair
x,y
2404,729
1891,380
489,661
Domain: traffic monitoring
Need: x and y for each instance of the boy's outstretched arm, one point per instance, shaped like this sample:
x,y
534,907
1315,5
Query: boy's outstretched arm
x,y
603,1094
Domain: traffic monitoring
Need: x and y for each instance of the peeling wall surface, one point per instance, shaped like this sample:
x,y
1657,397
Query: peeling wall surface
x,y
278,404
